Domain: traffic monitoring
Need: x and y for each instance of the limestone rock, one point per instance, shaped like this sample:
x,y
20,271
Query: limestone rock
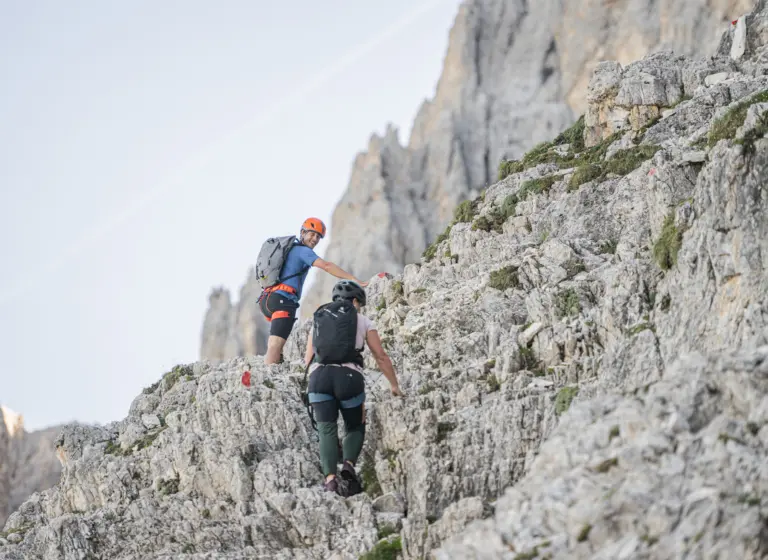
x,y
515,74
234,330
587,378
28,461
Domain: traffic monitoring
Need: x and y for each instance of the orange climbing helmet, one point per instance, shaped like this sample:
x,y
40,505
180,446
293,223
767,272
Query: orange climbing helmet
x,y
314,224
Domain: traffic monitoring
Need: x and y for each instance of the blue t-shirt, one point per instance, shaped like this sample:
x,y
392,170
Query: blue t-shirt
x,y
299,258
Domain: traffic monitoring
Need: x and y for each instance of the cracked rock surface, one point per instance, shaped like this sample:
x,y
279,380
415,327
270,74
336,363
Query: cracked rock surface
x,y
584,353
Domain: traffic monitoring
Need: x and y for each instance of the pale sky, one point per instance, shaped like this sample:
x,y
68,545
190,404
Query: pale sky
x,y
148,148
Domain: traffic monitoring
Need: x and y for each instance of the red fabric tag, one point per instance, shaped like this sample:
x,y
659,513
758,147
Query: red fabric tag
x,y
246,379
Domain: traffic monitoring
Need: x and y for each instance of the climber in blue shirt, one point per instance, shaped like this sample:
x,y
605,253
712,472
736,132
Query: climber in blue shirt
x,y
279,303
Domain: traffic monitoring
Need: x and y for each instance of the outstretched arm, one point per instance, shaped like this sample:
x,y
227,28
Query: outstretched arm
x,y
383,361
336,271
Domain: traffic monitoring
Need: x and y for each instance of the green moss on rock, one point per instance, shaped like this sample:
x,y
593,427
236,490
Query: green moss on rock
x,y
564,398
504,278
668,244
384,550
726,126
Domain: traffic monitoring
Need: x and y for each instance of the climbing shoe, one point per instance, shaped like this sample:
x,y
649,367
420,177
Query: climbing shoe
x,y
350,477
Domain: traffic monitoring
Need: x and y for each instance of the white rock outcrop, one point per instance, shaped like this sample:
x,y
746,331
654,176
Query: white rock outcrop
x,y
28,461
584,352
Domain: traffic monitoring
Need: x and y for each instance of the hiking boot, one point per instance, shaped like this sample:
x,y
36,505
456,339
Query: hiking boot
x,y
331,485
350,477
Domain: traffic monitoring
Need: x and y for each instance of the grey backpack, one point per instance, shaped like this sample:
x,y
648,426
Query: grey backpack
x,y
271,259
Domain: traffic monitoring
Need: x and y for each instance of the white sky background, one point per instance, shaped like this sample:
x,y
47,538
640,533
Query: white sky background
x,y
148,148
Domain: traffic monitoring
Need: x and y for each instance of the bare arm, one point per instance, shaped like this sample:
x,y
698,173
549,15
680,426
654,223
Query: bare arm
x,y
309,352
336,271
383,361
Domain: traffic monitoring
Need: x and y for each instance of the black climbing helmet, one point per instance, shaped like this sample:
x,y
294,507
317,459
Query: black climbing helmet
x,y
347,289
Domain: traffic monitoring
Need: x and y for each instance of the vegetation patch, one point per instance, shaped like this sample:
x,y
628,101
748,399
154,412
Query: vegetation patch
x,y
146,441
528,360
725,127
609,247
397,287
509,206
614,433
384,550
21,530
431,251
369,478
504,278
536,186
113,448
637,329
754,134
546,152
530,555
584,174
495,218
626,161
575,266
574,136
152,388
668,244
567,303
509,167
465,212
426,388
172,377
170,486
564,398
584,533
622,163
749,499
493,384
391,456
385,531
607,465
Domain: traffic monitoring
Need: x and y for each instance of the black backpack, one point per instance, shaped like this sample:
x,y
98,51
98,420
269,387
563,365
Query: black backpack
x,y
334,332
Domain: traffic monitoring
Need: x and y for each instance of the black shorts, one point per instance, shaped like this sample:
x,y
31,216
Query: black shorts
x,y
280,312
335,387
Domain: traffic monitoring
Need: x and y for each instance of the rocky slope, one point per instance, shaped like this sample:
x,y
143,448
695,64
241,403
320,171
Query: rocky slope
x,y
584,350
514,74
28,461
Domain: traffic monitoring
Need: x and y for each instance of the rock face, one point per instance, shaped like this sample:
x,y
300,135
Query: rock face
x,y
28,461
514,75
5,468
234,330
584,353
